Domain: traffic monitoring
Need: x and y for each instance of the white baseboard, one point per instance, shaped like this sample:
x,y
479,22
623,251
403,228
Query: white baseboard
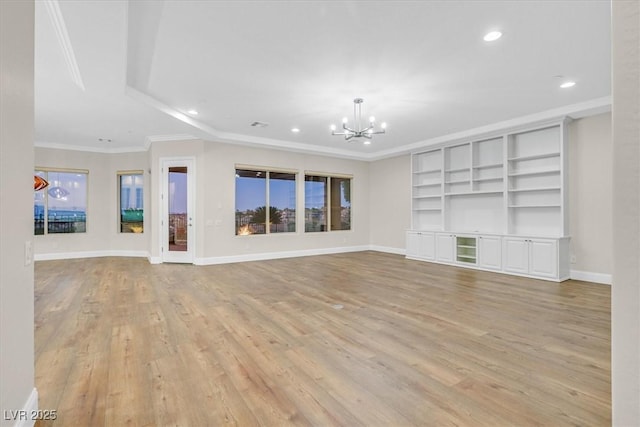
x,y
25,416
221,259
575,274
277,255
89,254
387,249
587,276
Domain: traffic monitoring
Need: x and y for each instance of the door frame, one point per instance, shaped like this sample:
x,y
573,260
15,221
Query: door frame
x,y
189,256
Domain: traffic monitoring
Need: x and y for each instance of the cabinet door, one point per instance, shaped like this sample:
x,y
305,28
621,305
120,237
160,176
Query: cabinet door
x,y
427,246
490,252
444,247
516,255
413,244
543,258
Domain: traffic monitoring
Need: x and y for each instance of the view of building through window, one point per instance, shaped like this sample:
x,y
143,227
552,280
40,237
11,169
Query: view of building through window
x,y
265,197
61,207
327,203
131,202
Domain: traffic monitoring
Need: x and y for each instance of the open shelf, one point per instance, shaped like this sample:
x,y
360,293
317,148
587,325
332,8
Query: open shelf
x,y
534,157
458,181
535,172
487,179
521,190
533,206
456,170
427,171
489,166
436,196
466,249
474,193
431,184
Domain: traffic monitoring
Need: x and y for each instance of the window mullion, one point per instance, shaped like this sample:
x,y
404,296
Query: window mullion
x,y
46,208
328,204
267,209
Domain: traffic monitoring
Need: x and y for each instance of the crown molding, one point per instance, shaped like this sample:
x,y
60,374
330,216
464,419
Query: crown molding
x,y
114,150
574,111
236,138
60,28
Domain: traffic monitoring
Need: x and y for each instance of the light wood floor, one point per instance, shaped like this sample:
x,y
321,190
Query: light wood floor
x,y
350,339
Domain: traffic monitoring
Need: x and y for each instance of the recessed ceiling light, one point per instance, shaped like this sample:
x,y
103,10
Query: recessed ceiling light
x,y
492,36
568,84
192,112
295,130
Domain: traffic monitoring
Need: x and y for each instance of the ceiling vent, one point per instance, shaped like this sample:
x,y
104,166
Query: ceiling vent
x,y
259,124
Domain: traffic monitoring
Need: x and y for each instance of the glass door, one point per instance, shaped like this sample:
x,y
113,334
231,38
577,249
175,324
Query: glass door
x,y
178,219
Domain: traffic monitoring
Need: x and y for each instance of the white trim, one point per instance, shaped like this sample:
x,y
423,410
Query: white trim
x,y
115,150
575,111
278,255
165,163
176,137
588,276
388,250
60,28
90,254
30,407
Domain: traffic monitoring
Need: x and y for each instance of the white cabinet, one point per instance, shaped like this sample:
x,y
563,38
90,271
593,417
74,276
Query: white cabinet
x,y
490,252
534,257
543,257
444,247
516,255
420,245
497,202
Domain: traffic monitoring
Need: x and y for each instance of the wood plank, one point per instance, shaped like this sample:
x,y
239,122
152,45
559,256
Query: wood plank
x,y
338,340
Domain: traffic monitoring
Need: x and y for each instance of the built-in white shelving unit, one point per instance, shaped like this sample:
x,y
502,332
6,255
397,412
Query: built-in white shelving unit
x,y
476,203
427,190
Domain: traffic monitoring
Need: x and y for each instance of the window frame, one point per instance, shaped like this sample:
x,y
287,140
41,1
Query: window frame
x,y
47,170
267,170
119,175
328,198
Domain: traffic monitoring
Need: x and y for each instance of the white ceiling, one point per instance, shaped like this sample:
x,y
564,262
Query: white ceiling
x,y
129,71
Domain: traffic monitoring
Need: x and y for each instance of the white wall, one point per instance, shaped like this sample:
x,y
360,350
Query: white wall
x,y
625,292
590,194
102,236
390,202
215,174
16,197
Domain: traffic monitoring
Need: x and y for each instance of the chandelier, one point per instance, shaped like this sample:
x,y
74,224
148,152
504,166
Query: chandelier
x,y
359,131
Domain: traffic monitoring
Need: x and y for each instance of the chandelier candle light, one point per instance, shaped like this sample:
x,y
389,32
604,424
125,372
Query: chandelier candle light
x,y
359,132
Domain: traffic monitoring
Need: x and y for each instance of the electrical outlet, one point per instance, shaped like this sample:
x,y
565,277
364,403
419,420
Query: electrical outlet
x,y
573,259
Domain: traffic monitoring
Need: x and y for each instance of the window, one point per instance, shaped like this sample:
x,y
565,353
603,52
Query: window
x,y
131,209
327,203
265,197
61,207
